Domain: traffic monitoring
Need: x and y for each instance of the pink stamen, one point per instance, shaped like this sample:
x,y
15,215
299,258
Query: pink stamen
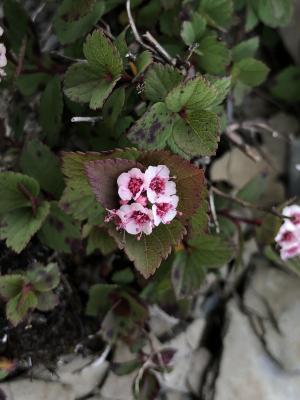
x,y
296,219
163,208
157,185
287,236
139,217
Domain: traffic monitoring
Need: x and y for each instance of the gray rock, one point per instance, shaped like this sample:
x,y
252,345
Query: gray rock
x,y
246,371
25,389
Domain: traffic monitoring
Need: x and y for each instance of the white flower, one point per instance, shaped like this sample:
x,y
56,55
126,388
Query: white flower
x,y
157,183
131,184
164,210
1,31
136,219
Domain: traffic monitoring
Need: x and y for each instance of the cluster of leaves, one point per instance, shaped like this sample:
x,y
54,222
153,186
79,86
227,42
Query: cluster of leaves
x,y
28,291
141,100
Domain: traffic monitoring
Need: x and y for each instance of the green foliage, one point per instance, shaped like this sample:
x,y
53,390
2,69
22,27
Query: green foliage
x,y
92,81
218,13
287,84
273,13
250,71
28,291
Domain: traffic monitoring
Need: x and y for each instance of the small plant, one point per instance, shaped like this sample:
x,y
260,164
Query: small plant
x,y
25,292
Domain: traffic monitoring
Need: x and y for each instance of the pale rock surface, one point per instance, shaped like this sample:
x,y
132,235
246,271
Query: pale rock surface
x,y
278,292
25,389
246,371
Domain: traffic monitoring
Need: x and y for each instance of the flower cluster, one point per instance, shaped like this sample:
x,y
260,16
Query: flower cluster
x,y
288,236
147,199
3,59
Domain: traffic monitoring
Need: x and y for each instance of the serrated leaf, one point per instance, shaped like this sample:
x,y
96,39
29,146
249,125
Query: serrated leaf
x,y
273,13
222,86
250,71
93,81
60,232
11,285
213,55
103,175
74,18
189,179
51,109
192,30
18,226
47,301
38,161
153,129
143,61
197,134
148,252
195,94
11,195
199,221
245,49
18,307
99,302
113,107
217,12
99,239
160,80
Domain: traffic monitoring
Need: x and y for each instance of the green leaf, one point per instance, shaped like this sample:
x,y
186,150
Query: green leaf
x,y
148,252
245,49
60,232
44,278
74,18
28,84
51,109
38,161
287,84
198,134
214,252
250,71
222,86
18,307
273,13
213,55
18,226
190,267
47,301
99,301
143,61
93,81
254,189
123,277
199,221
99,239
11,194
113,107
11,285
218,13
193,30
160,80
193,95
126,367
153,129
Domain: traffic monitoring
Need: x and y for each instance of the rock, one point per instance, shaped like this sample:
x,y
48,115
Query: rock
x,y
25,389
160,322
82,374
187,356
278,292
246,371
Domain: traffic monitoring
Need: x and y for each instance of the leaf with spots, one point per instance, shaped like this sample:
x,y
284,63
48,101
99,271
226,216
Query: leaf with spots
x,y
148,252
153,129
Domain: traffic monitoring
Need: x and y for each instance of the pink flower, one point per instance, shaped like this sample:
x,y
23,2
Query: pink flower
x,y
164,210
288,236
157,183
131,184
136,219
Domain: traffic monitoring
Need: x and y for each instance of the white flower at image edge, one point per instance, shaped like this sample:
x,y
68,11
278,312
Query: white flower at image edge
x,y
288,237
